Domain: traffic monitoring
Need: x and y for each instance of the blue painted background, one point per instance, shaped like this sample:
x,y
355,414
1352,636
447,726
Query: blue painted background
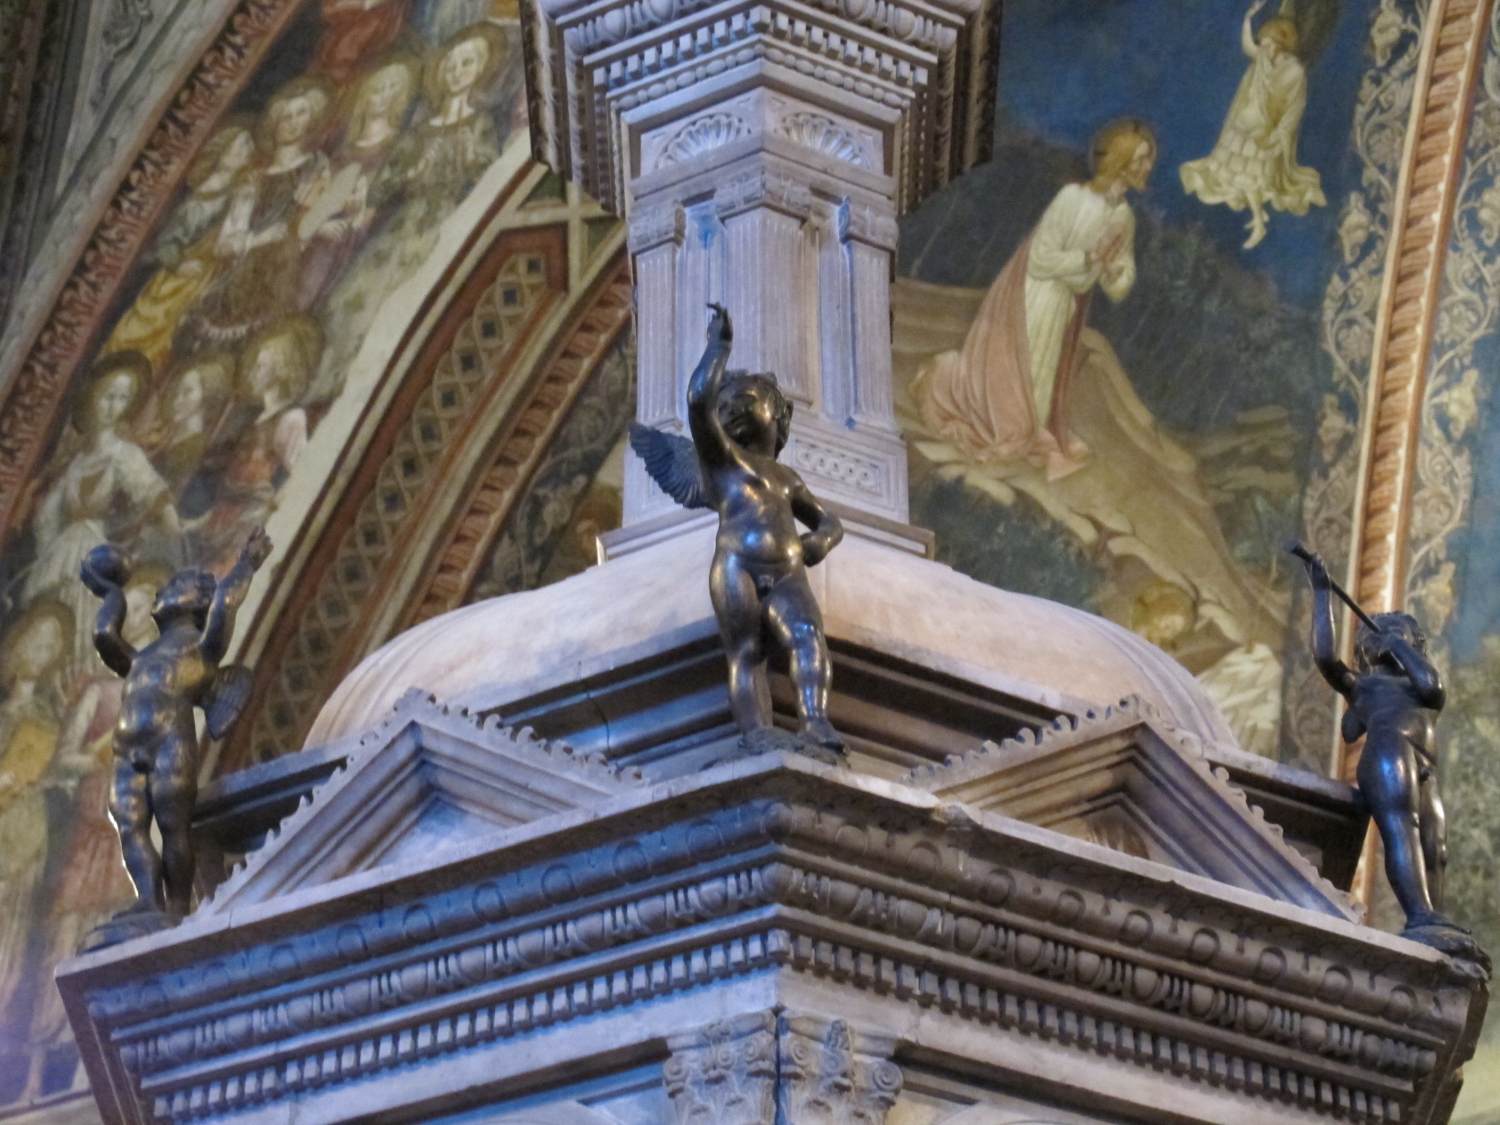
x,y
1178,65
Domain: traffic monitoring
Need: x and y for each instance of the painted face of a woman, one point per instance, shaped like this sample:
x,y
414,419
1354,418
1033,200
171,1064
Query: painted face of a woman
x,y
293,120
38,648
385,89
239,152
463,64
273,360
187,400
139,628
113,400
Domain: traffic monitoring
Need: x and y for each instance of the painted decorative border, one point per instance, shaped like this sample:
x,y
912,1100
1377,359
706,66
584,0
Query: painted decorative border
x,y
1452,51
585,344
300,665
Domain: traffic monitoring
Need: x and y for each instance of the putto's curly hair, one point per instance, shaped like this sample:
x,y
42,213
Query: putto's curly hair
x,y
1371,648
734,420
190,590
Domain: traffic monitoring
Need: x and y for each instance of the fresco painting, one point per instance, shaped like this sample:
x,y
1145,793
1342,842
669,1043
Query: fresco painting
x,y
319,192
1130,355
1130,347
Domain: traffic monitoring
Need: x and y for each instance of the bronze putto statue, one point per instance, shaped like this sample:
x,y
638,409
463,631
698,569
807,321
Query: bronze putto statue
x,y
1394,696
740,422
155,739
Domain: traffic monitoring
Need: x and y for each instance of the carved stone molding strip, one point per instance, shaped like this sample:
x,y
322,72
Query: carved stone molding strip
x,y
500,774
1452,52
975,777
781,865
33,397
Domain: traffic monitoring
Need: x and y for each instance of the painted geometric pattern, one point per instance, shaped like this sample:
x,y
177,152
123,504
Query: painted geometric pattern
x,y
478,354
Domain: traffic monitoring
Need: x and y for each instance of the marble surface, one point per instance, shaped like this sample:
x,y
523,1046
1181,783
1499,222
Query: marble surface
x,y
492,653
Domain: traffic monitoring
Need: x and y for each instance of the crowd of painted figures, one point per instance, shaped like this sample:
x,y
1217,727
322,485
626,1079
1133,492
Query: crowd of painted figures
x,y
296,220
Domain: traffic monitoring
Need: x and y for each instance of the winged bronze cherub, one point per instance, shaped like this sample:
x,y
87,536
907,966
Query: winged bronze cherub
x,y
1394,695
155,737
758,582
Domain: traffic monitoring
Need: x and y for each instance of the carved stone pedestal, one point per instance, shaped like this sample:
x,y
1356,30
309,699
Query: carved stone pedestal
x,y
762,152
466,923
1013,904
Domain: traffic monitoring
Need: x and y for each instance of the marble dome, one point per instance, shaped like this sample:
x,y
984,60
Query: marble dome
x,y
490,654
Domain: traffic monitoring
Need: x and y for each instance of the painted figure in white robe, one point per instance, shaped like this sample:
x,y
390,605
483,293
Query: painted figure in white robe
x,y
107,491
1005,395
1253,165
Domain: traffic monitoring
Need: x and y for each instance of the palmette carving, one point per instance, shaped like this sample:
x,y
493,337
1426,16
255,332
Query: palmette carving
x,y
826,1081
739,1071
724,1073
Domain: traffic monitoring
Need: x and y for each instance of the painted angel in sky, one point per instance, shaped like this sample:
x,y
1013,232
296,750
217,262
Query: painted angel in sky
x,y
1253,166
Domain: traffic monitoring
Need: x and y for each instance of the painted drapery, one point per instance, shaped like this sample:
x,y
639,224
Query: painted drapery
x,y
1181,426
324,187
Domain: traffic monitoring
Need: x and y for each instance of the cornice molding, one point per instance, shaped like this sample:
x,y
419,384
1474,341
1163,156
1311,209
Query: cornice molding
x,y
782,866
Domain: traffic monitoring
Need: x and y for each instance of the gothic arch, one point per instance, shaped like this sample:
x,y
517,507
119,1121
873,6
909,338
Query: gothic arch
x,y
486,376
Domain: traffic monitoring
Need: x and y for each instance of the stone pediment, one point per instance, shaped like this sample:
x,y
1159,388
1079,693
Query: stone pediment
x,y
1128,780
428,776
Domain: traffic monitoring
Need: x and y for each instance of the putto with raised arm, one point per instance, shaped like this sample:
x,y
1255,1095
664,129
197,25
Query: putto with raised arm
x,y
156,739
740,422
1394,696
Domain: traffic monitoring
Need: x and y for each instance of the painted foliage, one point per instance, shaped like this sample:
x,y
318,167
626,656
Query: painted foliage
x,y
323,190
1131,350
1454,546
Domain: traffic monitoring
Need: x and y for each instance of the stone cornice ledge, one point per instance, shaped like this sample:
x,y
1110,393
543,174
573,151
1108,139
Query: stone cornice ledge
x,y
769,876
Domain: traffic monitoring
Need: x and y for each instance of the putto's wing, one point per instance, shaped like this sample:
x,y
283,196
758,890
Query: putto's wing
x,y
227,698
673,464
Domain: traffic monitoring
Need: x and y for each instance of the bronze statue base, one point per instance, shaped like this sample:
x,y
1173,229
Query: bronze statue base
x,y
126,925
769,739
1457,942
